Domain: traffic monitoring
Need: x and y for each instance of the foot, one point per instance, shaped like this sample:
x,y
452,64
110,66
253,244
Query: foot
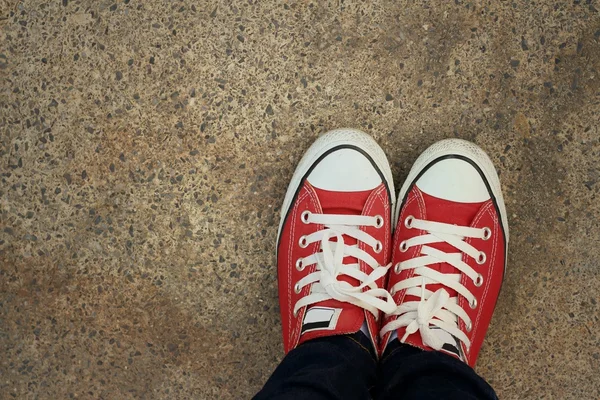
x,y
334,246
449,251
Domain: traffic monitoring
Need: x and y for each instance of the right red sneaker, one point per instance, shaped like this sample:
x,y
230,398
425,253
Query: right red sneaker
x,y
449,251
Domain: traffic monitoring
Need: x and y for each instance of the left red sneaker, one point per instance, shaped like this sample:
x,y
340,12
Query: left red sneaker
x,y
449,251
334,242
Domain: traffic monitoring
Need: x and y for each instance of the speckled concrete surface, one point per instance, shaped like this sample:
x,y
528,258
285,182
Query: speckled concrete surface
x,y
145,147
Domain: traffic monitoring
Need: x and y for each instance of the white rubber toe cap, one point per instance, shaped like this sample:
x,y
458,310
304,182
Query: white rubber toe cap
x,y
455,180
344,170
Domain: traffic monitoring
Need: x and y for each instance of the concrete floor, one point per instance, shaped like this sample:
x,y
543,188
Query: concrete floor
x,y
145,148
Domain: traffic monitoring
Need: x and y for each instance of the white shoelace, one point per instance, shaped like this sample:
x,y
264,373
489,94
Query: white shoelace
x,y
330,265
437,308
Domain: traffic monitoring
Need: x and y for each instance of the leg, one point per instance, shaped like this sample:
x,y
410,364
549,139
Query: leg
x,y
333,367
407,372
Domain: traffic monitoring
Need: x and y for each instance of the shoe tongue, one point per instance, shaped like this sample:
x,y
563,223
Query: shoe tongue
x,y
448,212
343,203
346,203
333,315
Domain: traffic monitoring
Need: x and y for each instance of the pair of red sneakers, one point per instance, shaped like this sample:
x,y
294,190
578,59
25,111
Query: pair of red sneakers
x,y
425,270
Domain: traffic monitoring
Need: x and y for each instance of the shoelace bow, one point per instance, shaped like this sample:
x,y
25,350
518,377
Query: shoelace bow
x,y
436,309
330,265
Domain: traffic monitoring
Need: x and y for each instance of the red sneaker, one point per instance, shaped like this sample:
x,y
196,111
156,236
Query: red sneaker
x,y
334,246
449,251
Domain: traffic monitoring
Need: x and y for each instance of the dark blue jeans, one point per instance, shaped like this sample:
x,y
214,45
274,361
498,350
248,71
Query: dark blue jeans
x,y
344,367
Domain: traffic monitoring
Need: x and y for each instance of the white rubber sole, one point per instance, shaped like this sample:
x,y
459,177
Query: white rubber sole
x,y
326,142
465,149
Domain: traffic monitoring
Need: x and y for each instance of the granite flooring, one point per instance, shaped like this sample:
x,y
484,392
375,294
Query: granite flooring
x,y
145,148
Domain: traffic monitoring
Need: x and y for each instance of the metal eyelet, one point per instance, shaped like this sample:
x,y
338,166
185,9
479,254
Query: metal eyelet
x,y
378,221
403,246
469,326
479,280
481,258
473,303
304,216
303,243
487,233
408,221
378,247
297,288
299,265
397,269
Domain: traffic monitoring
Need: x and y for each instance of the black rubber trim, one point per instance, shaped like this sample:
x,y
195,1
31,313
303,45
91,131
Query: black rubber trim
x,y
315,325
321,157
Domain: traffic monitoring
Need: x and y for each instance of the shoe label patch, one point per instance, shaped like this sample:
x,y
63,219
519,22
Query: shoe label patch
x,y
321,318
451,343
